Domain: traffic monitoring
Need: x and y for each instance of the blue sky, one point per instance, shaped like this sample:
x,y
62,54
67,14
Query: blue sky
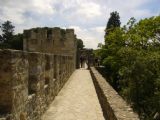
x,y
87,17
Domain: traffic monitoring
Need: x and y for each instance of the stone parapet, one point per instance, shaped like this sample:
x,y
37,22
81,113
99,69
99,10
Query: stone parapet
x,y
29,81
13,82
50,40
113,106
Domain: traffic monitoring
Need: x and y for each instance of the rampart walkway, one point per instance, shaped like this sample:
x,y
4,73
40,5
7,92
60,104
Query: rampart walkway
x,y
77,100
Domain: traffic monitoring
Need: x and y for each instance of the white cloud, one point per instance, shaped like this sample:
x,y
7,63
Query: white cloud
x,y
91,37
89,10
128,9
15,10
81,11
43,6
88,17
15,15
30,24
99,29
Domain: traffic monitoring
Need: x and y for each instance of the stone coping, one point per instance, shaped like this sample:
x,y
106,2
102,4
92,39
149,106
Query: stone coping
x,y
29,52
113,105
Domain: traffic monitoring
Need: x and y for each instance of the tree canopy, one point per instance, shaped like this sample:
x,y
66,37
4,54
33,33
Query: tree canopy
x,y
7,31
131,56
8,39
113,22
80,44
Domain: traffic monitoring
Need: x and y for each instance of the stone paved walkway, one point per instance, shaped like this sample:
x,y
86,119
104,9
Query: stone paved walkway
x,y
76,101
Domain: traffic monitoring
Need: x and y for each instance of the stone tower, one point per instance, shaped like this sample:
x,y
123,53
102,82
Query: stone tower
x,y
50,40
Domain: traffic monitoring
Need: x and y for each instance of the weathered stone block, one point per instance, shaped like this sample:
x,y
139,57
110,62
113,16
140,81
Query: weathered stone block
x,y
36,71
49,79
113,106
13,82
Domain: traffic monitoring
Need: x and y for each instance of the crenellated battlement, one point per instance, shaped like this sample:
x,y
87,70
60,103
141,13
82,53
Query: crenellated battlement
x,y
30,79
50,40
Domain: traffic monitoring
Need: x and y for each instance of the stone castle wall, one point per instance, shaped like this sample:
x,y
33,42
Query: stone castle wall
x,y
51,40
30,79
113,106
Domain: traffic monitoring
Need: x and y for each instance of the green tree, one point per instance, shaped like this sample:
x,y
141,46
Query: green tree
x,y
17,42
100,45
0,38
132,63
7,31
8,39
113,43
80,44
113,22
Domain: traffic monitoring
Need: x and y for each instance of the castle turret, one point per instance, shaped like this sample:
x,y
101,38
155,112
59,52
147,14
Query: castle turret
x,y
50,40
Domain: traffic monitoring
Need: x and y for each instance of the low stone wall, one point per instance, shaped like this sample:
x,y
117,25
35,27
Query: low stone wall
x,y
113,106
29,81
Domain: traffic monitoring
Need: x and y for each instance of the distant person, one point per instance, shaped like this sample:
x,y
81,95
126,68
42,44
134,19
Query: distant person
x,y
88,62
81,61
96,62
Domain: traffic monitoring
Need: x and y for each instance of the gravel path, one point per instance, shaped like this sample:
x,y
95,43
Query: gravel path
x,y
76,101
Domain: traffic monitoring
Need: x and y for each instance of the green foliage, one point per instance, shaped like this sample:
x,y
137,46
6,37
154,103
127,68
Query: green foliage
x,y
131,56
17,42
100,45
8,40
113,22
80,44
7,31
100,53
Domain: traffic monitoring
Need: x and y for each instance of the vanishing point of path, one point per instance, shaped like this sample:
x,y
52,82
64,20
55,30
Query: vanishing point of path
x,y
76,101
